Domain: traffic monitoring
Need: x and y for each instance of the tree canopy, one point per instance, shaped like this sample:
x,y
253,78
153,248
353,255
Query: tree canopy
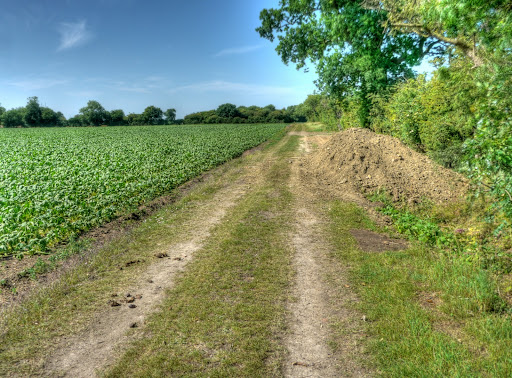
x,y
94,113
33,113
170,115
363,47
152,115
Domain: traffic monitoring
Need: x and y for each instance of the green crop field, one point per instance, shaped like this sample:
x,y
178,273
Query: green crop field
x,y
56,182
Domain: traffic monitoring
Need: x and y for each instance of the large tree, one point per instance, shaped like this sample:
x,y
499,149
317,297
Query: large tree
x,y
33,112
117,117
362,47
170,116
152,115
13,117
49,117
227,111
94,113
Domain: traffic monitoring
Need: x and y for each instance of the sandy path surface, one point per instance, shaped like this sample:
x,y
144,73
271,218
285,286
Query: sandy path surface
x,y
91,352
310,313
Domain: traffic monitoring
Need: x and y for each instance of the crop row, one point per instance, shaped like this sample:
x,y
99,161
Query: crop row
x,y
55,183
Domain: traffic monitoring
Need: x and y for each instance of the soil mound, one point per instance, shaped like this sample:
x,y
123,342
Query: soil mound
x,y
365,161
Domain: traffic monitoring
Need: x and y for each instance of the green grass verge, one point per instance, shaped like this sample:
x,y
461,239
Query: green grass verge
x,y
428,314
225,315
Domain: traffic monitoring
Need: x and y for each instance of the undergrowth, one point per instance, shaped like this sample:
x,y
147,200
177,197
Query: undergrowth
x,y
429,310
462,230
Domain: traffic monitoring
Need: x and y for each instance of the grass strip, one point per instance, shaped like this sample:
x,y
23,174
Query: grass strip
x,y
226,313
428,314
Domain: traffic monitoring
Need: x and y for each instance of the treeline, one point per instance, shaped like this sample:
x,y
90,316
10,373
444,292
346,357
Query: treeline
x,y
94,114
229,113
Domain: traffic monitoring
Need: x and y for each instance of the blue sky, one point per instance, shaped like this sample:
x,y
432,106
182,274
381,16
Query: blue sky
x,y
189,55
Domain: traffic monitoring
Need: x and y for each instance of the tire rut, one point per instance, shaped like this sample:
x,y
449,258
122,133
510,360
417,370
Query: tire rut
x,y
92,351
310,315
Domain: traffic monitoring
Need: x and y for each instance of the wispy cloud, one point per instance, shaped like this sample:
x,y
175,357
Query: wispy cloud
x,y
148,84
238,50
226,86
124,86
73,34
85,93
37,84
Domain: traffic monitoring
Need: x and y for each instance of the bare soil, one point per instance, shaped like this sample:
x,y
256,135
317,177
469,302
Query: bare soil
x,y
312,311
358,160
369,241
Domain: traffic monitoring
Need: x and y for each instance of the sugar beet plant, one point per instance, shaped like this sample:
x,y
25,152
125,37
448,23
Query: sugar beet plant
x,y
55,183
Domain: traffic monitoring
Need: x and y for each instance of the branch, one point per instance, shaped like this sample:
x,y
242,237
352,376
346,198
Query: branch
x,y
467,48
506,191
406,25
430,47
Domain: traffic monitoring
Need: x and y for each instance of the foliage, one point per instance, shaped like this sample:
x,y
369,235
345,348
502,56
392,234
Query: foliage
x,y
434,116
229,113
76,121
477,29
490,150
152,115
361,48
170,116
13,117
94,113
49,117
33,113
117,117
355,53
55,183
320,108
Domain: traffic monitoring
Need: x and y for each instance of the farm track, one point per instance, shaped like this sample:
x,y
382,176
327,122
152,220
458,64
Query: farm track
x,y
312,307
95,349
318,304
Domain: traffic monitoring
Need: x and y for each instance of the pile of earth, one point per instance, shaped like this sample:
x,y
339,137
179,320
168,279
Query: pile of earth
x,y
359,159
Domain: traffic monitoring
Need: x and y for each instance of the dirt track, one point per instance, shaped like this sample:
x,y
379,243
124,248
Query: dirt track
x,y
314,304
95,349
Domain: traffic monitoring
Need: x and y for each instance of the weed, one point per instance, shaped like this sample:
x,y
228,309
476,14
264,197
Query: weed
x,y
465,331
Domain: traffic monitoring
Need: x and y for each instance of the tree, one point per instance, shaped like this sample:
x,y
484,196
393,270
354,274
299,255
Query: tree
x,y
152,115
50,117
134,119
94,113
13,117
170,116
362,47
32,114
117,117
2,111
476,29
227,111
349,44
77,121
